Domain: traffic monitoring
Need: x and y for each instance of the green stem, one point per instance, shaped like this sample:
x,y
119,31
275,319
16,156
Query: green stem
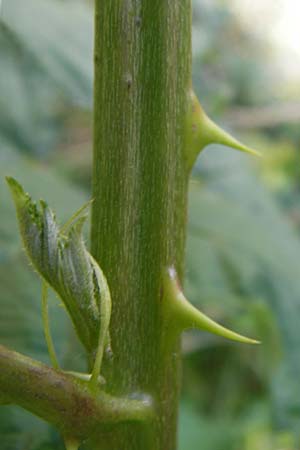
x,y
46,326
142,79
65,400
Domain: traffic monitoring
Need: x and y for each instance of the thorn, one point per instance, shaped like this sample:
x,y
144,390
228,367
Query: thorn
x,y
199,320
216,135
202,131
183,315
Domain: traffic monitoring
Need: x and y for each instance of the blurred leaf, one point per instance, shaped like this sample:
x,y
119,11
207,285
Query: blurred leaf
x,y
28,112
61,40
196,432
40,78
232,64
236,226
21,430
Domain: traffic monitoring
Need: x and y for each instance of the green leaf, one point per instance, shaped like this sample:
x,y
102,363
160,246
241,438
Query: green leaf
x,y
196,431
68,66
63,261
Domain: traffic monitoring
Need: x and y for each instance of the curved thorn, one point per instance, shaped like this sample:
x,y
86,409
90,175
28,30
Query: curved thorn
x,y
186,316
202,131
196,319
216,135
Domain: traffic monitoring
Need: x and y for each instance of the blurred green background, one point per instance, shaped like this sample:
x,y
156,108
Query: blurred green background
x,y
243,250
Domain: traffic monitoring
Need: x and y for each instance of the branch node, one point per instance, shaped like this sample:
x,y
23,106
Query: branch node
x,y
66,400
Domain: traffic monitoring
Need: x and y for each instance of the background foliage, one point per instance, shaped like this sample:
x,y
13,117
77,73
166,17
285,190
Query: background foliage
x,y
243,233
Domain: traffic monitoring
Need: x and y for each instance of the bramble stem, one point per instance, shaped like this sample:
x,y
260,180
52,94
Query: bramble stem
x,y
142,80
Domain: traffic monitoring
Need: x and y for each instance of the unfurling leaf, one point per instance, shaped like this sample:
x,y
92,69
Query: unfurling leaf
x,y
65,264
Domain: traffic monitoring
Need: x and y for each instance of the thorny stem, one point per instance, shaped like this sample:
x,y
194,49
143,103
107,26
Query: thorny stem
x,y
142,77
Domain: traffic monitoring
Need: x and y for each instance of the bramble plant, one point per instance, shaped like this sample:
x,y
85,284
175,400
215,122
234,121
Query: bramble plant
x,y
124,296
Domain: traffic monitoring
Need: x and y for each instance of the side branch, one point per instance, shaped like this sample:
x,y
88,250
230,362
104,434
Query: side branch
x,y
62,399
